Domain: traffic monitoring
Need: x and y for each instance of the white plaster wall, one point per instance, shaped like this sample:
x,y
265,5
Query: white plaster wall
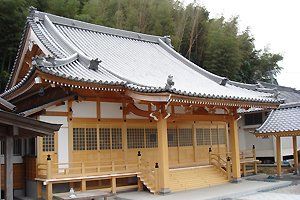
x,y
84,109
111,110
15,159
63,144
61,108
241,131
264,146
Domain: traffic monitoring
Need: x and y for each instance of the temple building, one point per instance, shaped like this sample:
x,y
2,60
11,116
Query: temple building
x,y
135,112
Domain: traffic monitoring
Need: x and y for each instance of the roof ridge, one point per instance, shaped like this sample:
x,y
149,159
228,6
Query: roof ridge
x,y
95,27
289,105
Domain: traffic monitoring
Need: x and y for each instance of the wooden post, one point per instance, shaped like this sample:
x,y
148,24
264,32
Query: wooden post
x,y
49,191
278,155
83,185
244,170
49,169
295,154
9,191
112,166
235,151
139,155
39,189
254,158
228,168
82,168
209,155
163,155
140,185
114,185
156,178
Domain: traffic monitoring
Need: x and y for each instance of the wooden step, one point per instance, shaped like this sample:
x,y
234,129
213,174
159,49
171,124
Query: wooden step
x,y
192,178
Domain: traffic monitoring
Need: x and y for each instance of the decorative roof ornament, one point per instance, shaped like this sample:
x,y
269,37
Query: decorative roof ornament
x,y
276,93
224,81
51,59
167,39
38,61
94,64
169,83
32,11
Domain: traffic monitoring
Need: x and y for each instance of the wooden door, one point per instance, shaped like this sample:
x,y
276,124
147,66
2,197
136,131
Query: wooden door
x,y
47,146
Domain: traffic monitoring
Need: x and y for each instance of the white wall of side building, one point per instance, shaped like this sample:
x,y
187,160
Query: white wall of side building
x,y
264,146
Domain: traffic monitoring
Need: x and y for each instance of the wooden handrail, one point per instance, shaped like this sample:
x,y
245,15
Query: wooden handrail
x,y
51,170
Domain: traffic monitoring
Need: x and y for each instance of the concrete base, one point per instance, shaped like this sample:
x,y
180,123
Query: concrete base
x,y
164,191
236,180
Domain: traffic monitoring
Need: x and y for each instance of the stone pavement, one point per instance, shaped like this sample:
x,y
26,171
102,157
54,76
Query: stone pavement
x,y
224,191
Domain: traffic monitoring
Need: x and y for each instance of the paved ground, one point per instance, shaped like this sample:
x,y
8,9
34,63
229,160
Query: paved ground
x,y
259,187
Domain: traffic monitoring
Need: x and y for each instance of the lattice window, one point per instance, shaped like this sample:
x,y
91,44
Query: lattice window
x,y
78,139
104,138
151,137
172,137
222,139
135,138
116,134
206,136
199,136
91,138
214,136
48,143
185,137
17,146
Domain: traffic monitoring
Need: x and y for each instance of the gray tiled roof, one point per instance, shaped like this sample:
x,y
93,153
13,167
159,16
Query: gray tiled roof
x,y
136,61
288,94
285,118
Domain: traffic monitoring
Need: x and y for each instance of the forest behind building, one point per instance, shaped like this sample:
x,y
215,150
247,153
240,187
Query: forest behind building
x,y
215,44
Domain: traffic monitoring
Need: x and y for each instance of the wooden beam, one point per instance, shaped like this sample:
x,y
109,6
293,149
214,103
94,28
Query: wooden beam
x,y
55,113
235,150
163,155
9,192
295,154
184,117
278,155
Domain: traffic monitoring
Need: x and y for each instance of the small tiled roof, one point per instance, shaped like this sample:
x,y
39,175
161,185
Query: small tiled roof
x,y
132,60
284,119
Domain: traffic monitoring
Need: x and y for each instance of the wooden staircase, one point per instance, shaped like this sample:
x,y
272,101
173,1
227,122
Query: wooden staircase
x,y
148,176
195,177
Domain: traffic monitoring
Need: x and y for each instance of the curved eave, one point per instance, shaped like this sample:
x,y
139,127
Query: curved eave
x,y
279,134
23,86
174,99
21,48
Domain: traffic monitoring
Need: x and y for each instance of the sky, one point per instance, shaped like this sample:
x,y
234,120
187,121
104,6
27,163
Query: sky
x,y
273,23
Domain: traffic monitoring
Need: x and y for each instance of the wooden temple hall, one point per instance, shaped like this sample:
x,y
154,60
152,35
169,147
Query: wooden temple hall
x,y
135,113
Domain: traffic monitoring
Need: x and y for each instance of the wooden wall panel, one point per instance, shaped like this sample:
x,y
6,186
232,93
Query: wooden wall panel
x,y
19,176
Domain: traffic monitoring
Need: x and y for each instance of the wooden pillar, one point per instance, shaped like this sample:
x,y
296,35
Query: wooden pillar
x,y
83,185
163,155
295,154
235,150
278,155
114,185
49,191
39,189
9,192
